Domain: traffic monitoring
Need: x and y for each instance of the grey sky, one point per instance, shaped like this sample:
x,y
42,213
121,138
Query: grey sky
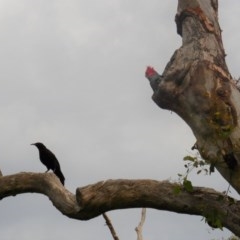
x,y
72,76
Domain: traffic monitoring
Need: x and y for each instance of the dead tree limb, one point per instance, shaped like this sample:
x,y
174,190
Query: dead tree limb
x,y
110,226
197,85
139,228
93,200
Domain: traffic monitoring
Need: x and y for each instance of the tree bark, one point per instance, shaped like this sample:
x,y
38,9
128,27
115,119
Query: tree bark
x,y
197,85
93,200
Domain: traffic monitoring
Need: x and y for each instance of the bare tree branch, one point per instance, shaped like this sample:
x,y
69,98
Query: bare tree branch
x,y
110,226
93,200
139,228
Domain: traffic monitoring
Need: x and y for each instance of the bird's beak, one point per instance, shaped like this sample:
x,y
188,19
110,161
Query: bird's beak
x,y
33,144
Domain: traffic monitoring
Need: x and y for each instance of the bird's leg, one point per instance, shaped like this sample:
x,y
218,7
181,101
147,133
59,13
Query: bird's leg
x,y
47,170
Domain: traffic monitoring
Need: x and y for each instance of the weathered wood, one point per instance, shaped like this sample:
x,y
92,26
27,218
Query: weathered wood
x,y
139,228
44,183
197,85
93,200
110,226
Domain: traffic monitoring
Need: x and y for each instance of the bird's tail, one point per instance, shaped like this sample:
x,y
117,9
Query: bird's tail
x,y
59,174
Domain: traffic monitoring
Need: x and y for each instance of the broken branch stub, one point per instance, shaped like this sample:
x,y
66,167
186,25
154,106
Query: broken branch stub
x,y
197,85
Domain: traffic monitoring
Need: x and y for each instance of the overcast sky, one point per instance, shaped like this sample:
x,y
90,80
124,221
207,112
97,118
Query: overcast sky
x,y
72,77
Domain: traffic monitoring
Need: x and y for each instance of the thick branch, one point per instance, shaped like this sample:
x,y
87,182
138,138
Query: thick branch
x,y
93,200
44,183
197,85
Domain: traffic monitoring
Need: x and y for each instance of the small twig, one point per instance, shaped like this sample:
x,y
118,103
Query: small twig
x,y
110,226
139,228
228,189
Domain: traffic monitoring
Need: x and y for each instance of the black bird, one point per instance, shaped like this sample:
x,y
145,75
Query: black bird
x,y
49,160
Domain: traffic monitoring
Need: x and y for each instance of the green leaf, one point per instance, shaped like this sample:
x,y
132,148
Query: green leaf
x,y
199,171
218,224
177,189
187,185
189,158
213,219
195,164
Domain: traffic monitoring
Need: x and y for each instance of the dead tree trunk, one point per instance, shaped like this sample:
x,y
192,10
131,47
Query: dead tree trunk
x,y
197,85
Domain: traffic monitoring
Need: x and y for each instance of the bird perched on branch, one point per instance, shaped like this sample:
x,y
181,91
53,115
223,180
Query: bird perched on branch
x,y
49,160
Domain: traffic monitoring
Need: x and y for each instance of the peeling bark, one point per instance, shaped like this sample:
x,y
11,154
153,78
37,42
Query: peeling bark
x,y
93,200
197,85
